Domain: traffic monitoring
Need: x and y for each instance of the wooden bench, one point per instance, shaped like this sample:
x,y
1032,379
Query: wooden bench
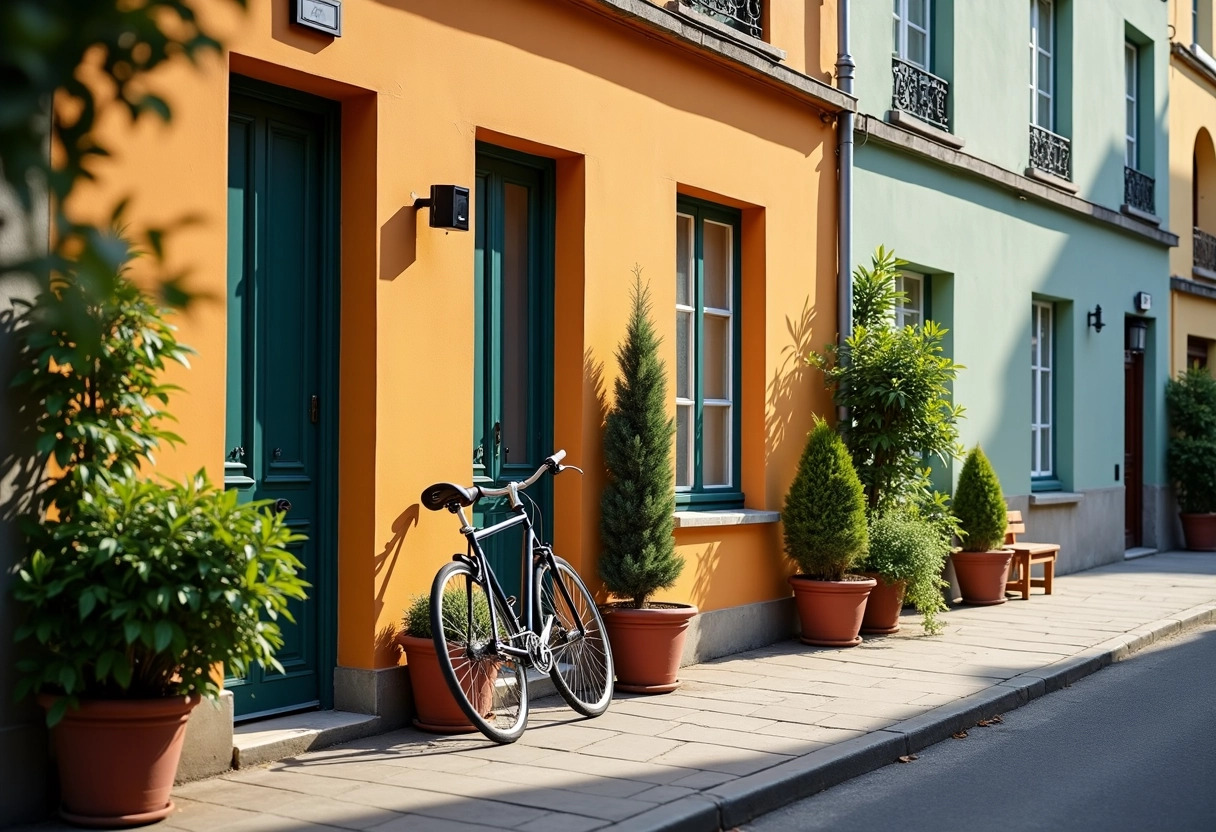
x,y
1026,555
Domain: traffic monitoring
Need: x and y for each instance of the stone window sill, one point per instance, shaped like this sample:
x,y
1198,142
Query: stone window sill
x,y
1055,498
728,517
721,30
1051,179
910,122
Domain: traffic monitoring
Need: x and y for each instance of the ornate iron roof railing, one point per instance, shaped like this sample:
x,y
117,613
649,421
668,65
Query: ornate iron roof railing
x,y
920,93
1138,191
1205,251
741,15
1050,152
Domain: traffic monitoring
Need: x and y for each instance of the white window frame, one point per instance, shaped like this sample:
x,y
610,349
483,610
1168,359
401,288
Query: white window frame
x,y
912,310
1042,374
1131,71
690,310
903,23
1042,86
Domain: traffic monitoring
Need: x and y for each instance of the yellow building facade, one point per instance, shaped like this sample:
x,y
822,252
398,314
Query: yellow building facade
x,y
354,347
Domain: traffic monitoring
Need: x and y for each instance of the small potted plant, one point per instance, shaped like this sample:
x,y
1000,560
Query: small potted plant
x,y
982,563
133,590
1191,454
436,708
906,557
824,521
637,549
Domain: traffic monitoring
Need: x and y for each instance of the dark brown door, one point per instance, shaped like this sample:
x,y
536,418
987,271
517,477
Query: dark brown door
x,y
1133,445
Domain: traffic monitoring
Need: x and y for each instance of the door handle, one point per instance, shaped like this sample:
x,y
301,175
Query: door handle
x,y
282,506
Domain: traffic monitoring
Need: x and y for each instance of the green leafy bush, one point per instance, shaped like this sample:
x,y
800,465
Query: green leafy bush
x,y
416,620
637,550
907,547
824,516
1191,452
147,586
979,505
896,386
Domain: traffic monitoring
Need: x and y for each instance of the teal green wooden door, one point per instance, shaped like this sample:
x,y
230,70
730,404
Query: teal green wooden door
x,y
281,410
513,291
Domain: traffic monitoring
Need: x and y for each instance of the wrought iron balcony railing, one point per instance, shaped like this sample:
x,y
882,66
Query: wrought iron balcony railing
x,y
741,15
1205,251
920,93
1138,191
1050,152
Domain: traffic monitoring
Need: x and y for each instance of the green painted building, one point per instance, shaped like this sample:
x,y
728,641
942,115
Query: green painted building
x,y
1015,154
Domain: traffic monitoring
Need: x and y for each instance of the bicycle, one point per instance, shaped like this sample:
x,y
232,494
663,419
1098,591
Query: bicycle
x,y
485,649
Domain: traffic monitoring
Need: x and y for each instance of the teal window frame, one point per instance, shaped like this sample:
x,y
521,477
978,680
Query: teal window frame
x,y
1045,479
697,495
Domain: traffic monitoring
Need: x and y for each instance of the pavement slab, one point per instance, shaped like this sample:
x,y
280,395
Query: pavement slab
x,y
744,735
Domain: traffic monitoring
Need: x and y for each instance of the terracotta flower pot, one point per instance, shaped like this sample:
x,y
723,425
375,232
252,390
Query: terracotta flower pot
x,y
982,575
117,758
437,711
831,611
1200,531
883,607
647,645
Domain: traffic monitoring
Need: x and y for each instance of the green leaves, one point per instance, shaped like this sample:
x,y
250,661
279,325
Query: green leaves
x,y
905,546
979,505
1191,452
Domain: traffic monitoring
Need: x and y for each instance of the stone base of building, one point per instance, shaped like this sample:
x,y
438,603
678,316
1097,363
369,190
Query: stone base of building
x,y
735,629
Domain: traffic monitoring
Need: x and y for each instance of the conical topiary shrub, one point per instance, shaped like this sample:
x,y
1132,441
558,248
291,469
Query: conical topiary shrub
x,y
825,510
979,505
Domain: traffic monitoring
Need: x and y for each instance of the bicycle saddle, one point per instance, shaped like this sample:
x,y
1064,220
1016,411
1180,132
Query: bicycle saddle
x,y
442,494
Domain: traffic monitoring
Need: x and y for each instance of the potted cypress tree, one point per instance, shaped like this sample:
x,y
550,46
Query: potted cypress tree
x,y
1191,454
824,520
982,564
637,550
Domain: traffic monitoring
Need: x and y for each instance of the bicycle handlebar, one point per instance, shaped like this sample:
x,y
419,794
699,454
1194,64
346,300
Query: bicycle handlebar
x,y
551,463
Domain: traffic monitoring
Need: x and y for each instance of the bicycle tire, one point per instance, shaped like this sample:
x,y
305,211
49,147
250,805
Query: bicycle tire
x,y
582,668
491,689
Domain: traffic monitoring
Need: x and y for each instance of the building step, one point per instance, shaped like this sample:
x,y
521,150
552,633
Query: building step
x,y
1138,552
268,740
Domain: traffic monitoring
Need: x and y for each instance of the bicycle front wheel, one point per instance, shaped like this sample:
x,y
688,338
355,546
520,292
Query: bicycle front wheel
x,y
491,688
582,667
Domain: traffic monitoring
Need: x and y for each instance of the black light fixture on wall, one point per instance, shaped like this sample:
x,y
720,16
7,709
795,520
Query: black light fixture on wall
x,y
1137,335
1094,318
449,206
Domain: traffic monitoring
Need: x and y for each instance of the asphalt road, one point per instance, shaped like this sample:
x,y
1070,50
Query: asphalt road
x,y
1130,748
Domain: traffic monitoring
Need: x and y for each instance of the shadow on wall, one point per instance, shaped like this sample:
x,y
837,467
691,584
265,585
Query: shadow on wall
x,y
787,390
595,404
386,649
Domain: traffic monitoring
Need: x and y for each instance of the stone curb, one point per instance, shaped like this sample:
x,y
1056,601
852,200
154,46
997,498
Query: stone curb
x,y
739,801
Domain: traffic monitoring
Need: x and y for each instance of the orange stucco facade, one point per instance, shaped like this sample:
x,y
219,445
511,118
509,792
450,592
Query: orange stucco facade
x,y
633,119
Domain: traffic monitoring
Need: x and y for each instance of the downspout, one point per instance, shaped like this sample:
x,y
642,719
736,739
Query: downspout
x,y
844,246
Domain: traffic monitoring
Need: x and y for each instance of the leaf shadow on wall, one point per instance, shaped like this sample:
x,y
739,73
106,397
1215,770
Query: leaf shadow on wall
x,y
595,404
788,397
386,562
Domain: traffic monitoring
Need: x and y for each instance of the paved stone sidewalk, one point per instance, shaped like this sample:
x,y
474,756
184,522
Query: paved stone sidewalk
x,y
743,735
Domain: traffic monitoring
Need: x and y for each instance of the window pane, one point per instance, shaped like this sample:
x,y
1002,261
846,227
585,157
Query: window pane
x,y
715,450
715,364
1044,114
684,260
1045,21
684,351
1045,336
1044,76
716,253
916,49
1045,462
918,13
684,446
895,37
515,324
1130,161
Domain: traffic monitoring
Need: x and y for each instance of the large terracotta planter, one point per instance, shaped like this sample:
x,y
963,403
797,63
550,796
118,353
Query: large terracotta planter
x,y
883,606
982,575
436,708
831,611
117,759
647,645
1200,531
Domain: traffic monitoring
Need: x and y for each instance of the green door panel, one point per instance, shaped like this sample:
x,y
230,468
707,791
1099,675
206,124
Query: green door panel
x,y
281,245
513,318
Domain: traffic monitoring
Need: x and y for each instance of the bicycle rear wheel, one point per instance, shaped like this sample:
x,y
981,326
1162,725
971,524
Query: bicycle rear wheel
x,y
582,667
491,688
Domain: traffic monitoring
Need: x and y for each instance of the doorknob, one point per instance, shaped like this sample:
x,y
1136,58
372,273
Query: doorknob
x,y
282,506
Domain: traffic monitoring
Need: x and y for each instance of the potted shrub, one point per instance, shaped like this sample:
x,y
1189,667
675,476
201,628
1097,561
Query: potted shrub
x,y
824,520
982,563
133,591
1191,454
436,709
637,550
906,557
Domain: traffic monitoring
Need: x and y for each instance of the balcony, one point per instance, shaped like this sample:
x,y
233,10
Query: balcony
x,y
921,94
741,15
1138,192
1050,153
1205,254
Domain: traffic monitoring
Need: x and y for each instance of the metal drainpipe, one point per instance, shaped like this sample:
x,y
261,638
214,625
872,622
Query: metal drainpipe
x,y
844,246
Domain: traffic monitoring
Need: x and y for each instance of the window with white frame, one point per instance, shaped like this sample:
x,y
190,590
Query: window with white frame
x,y
1131,69
1042,67
1042,403
910,311
911,29
707,348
